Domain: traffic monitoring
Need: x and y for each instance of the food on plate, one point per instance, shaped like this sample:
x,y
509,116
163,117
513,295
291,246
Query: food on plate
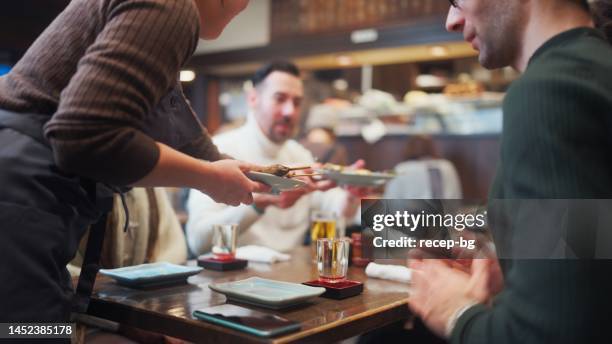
x,y
279,170
362,171
334,167
348,169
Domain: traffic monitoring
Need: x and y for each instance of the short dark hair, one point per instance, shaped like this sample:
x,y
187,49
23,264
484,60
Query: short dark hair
x,y
277,66
602,14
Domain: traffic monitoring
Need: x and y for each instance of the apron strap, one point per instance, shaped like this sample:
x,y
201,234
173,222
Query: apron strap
x,y
93,249
90,266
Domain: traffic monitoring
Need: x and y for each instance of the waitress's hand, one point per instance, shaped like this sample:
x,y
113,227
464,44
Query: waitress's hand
x,y
227,183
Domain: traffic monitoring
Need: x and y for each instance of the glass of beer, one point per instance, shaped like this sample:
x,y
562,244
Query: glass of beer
x,y
332,259
322,226
224,241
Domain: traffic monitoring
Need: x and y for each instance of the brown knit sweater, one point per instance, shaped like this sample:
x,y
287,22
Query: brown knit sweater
x,y
105,71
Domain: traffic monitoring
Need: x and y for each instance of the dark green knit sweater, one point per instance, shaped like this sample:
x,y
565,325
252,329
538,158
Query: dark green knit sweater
x,y
557,143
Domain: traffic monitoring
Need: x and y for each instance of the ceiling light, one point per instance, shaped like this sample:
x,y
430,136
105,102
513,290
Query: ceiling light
x,y
438,51
187,76
340,85
344,60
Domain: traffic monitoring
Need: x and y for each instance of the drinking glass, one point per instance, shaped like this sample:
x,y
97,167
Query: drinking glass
x,y
322,226
224,241
332,259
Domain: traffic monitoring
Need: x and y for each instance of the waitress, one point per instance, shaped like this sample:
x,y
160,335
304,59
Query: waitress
x,y
95,105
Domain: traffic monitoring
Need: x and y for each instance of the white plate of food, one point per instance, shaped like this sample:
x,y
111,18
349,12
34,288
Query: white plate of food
x,y
357,177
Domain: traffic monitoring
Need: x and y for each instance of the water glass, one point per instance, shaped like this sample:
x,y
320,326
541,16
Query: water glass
x,y
224,241
332,259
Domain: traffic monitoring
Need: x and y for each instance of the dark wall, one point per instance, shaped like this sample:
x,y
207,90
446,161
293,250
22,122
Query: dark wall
x,y
22,21
475,157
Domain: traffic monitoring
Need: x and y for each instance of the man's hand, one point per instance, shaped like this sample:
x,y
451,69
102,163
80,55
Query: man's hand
x,y
284,200
439,290
359,192
487,279
314,184
355,193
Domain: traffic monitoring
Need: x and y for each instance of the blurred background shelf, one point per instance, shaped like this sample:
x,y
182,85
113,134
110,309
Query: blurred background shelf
x,y
388,66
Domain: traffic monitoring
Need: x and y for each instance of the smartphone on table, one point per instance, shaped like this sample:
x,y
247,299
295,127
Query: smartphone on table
x,y
247,320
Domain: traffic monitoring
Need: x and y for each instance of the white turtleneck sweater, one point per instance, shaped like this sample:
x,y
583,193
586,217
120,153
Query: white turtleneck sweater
x,y
279,229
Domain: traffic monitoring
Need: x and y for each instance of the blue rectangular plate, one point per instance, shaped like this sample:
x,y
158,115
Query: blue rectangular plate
x,y
267,293
154,274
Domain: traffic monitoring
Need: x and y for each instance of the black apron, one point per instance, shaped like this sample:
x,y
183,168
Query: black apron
x,y
44,212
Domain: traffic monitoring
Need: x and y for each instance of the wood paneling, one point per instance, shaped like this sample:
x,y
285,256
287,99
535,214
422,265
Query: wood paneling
x,y
298,18
212,118
395,79
418,32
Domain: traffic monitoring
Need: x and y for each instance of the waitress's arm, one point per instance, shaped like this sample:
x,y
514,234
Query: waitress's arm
x,y
223,180
131,58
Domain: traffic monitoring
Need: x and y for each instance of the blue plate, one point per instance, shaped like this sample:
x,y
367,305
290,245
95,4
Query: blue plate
x,y
267,293
151,275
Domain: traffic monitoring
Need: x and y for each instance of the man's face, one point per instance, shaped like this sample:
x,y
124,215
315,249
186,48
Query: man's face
x,y
493,27
276,104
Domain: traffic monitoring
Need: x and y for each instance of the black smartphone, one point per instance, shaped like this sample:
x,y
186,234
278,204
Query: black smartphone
x,y
247,320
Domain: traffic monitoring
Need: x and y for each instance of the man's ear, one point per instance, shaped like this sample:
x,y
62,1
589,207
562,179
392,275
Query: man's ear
x,y
252,97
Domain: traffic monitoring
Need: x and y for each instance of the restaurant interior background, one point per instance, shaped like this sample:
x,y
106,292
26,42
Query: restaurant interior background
x,y
387,67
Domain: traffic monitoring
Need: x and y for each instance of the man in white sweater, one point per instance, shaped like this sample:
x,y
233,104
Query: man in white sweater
x,y
276,221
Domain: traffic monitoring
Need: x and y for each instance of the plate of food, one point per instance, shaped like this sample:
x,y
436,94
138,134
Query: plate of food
x,y
151,275
267,293
344,175
278,177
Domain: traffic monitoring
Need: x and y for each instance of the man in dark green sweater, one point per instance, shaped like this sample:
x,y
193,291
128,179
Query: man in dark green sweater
x,y
556,144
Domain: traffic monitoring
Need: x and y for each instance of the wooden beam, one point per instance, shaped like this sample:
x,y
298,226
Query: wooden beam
x,y
213,118
425,31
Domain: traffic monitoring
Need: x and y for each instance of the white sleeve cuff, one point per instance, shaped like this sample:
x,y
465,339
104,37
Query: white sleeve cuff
x,y
452,321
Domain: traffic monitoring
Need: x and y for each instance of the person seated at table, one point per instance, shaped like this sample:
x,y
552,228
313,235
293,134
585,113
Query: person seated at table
x,y
424,174
154,233
320,138
275,221
554,147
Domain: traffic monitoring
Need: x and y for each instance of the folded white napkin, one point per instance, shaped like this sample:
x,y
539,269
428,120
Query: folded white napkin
x,y
391,272
261,254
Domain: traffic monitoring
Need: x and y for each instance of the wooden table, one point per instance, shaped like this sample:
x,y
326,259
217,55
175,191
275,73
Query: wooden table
x,y
168,310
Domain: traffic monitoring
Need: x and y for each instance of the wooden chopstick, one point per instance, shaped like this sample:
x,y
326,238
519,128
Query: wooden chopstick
x,y
304,175
298,168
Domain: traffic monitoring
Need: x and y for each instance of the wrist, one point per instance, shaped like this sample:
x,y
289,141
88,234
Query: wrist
x,y
260,203
258,210
452,321
207,175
